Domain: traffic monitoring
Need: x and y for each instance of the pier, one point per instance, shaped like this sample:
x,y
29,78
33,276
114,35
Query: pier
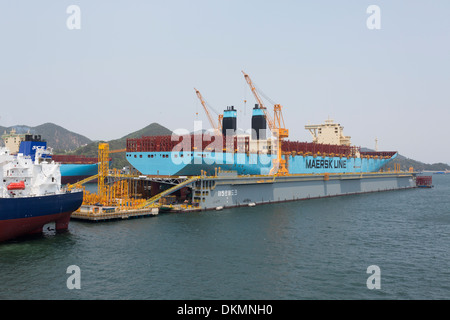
x,y
94,213
227,189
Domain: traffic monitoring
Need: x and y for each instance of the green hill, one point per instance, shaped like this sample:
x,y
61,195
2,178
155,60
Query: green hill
x,y
405,163
57,137
118,160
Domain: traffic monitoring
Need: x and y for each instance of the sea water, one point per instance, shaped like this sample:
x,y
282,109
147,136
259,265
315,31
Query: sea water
x,y
386,245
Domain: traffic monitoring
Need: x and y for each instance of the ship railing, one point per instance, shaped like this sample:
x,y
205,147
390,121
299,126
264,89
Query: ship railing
x,y
378,153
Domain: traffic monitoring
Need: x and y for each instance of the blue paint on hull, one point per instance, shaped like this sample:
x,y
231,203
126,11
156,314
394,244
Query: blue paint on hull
x,y
192,163
75,170
28,215
31,207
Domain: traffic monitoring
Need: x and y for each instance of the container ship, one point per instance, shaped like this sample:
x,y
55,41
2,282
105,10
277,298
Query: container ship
x,y
73,167
252,154
226,168
263,151
242,172
31,194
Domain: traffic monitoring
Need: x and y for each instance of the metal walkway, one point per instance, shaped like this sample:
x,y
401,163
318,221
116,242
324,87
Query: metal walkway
x,y
87,179
168,191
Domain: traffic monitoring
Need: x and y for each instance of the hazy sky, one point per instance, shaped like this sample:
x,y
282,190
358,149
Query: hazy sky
x,y
137,62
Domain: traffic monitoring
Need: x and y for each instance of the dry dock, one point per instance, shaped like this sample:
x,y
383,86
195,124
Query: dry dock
x,y
231,190
227,189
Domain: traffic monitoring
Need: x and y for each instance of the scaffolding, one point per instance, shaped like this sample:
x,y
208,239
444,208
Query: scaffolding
x,y
124,191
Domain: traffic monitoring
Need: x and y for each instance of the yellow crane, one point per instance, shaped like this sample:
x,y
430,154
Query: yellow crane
x,y
277,127
103,166
259,100
117,194
216,126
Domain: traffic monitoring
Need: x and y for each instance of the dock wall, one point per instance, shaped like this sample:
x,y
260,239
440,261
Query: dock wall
x,y
231,191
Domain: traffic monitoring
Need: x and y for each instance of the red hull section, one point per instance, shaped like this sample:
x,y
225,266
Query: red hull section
x,y
235,144
240,144
27,215
10,229
74,159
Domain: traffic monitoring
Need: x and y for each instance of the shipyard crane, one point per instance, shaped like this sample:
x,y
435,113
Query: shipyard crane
x,y
216,126
260,102
277,127
103,165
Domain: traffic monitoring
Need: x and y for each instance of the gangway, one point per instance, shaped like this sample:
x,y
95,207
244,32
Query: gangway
x,y
167,192
81,182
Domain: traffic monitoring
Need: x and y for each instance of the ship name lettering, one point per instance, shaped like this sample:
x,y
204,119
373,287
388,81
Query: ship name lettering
x,y
325,164
340,164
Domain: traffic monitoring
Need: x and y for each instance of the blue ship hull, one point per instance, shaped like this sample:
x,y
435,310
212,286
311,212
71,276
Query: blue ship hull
x,y
27,215
193,163
71,173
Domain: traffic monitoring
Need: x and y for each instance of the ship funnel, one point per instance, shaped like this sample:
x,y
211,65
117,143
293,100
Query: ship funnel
x,y
258,124
229,121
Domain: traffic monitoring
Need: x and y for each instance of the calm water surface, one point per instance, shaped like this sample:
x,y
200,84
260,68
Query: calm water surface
x,y
314,249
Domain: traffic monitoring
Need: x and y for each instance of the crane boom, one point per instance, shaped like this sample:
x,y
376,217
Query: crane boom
x,y
277,127
216,127
116,151
260,102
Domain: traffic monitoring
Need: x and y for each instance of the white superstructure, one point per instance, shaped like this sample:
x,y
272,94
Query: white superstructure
x,y
12,140
21,176
328,133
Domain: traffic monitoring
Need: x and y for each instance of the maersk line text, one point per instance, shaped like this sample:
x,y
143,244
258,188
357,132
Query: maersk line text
x,y
326,164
